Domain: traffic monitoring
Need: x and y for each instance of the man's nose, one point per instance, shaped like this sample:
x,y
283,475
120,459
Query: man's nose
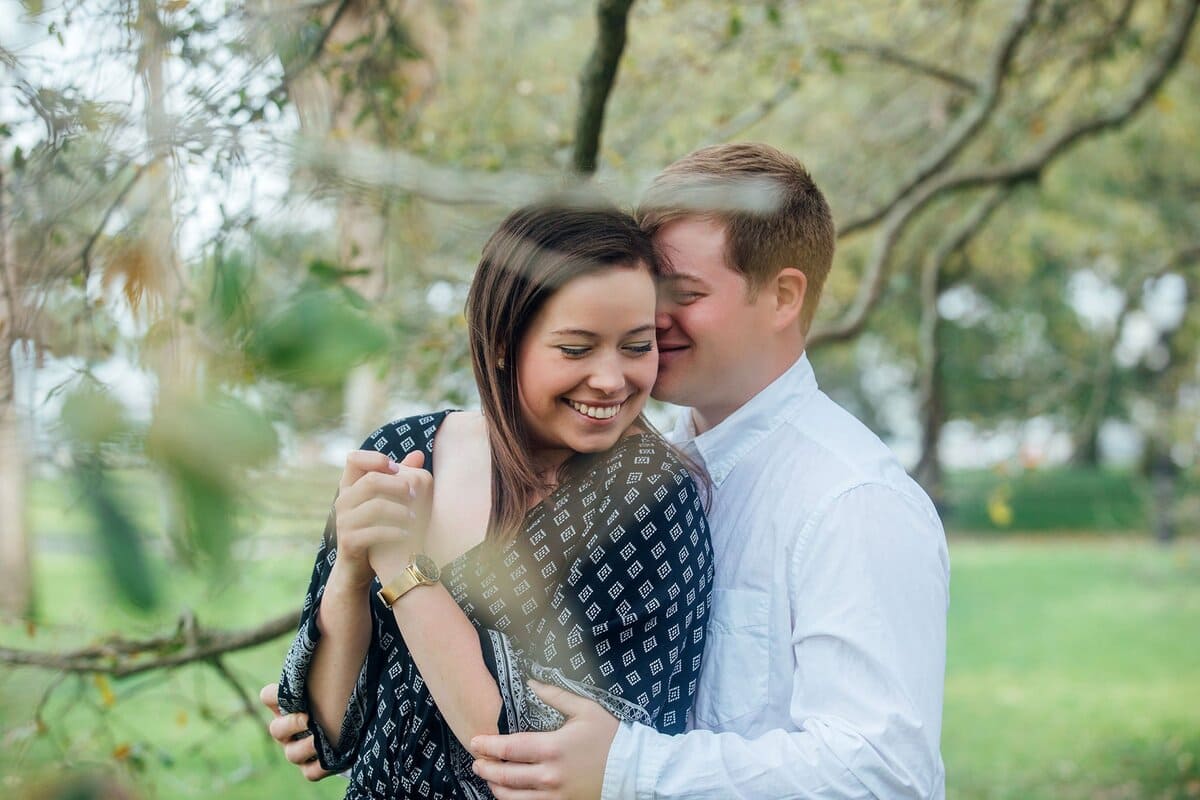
x,y
662,320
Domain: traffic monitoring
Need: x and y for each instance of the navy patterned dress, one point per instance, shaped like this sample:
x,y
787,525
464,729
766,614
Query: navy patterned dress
x,y
606,594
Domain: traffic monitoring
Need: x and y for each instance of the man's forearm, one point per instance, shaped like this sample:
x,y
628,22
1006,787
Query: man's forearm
x,y
826,760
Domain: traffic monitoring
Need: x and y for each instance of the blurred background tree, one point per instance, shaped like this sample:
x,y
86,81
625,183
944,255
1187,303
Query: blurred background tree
x,y
235,237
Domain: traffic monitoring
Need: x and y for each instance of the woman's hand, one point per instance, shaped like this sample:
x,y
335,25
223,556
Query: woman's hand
x,y
388,557
381,513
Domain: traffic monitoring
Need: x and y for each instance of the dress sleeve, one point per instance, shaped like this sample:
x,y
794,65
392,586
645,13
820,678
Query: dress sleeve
x,y
293,682
626,626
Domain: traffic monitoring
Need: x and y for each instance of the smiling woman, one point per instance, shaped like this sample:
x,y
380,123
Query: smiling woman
x,y
559,537
587,363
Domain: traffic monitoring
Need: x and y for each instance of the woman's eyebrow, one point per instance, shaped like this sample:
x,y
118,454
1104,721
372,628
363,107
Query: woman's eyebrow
x,y
594,335
574,332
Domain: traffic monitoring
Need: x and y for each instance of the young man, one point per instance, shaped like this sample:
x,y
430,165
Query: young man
x,y
823,672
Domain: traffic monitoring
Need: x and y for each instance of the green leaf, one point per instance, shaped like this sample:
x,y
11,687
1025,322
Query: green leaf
x,y
92,416
328,273
204,445
315,339
119,537
735,24
834,59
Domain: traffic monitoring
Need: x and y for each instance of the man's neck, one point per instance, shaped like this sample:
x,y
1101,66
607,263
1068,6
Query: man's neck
x,y
707,418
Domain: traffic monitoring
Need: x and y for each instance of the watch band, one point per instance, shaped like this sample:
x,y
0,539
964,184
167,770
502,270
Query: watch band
x,y
421,571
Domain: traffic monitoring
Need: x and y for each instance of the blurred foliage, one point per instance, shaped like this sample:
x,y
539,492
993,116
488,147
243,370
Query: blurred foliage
x,y
1055,499
267,303
327,190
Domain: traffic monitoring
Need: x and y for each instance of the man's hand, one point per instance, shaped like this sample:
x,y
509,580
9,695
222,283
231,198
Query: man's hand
x,y
285,729
566,764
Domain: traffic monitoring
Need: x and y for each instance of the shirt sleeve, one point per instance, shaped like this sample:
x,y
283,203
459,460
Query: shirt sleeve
x,y
293,681
868,592
626,626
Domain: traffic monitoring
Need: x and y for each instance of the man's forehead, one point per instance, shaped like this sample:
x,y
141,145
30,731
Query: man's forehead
x,y
675,276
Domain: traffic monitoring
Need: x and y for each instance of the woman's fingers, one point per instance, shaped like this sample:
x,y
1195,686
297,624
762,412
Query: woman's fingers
x,y
384,504
301,751
375,484
363,462
269,697
284,729
313,770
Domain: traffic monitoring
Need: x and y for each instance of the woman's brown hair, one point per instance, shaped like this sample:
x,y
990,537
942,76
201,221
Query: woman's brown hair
x,y
536,251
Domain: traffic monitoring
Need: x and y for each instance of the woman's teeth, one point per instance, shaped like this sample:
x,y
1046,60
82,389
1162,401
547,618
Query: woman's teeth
x,y
596,412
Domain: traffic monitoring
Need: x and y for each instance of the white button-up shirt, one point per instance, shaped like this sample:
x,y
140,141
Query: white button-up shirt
x,y
826,651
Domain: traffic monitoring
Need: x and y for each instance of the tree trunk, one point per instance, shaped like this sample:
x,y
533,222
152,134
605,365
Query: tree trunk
x,y
1163,477
932,400
931,394
175,360
174,354
16,566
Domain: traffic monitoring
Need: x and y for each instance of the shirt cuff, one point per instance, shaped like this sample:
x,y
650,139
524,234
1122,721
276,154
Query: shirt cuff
x,y
635,759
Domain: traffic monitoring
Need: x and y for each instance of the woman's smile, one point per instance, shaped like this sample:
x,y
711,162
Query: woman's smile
x,y
596,412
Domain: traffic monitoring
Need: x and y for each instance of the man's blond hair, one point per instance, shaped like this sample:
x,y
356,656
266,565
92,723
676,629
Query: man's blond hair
x,y
773,213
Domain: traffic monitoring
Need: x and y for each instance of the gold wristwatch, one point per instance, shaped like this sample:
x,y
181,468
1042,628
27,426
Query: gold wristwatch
x,y
421,571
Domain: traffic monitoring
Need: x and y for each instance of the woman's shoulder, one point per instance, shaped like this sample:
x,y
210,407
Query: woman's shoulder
x,y
645,458
407,434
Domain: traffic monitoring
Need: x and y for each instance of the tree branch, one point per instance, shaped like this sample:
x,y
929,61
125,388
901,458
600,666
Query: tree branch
x,y
965,128
293,70
889,56
85,257
756,114
124,657
596,81
248,705
1028,169
929,356
361,167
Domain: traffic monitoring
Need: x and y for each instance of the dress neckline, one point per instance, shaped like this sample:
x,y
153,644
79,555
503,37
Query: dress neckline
x,y
553,494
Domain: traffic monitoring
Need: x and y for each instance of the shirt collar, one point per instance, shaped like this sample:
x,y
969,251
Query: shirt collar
x,y
721,447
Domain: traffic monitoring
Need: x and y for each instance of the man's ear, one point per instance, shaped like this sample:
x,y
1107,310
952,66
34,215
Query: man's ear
x,y
791,287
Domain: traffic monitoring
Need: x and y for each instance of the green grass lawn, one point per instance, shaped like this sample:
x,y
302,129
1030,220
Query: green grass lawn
x,y
1073,670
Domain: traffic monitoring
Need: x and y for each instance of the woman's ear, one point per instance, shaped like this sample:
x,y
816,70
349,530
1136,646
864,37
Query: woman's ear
x,y
791,286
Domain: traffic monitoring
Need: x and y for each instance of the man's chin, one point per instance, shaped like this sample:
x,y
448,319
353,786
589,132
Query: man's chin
x,y
665,391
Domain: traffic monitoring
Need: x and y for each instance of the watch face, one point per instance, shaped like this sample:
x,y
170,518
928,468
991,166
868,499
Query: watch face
x,y
427,567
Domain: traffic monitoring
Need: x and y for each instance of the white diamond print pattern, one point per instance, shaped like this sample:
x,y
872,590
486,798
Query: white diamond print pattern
x,y
590,587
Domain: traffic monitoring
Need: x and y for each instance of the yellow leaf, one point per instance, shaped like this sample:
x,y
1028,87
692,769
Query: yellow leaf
x,y
122,751
998,509
1164,103
107,697
136,266
181,718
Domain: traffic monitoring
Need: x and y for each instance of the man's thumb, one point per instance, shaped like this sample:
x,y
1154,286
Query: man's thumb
x,y
568,703
415,459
